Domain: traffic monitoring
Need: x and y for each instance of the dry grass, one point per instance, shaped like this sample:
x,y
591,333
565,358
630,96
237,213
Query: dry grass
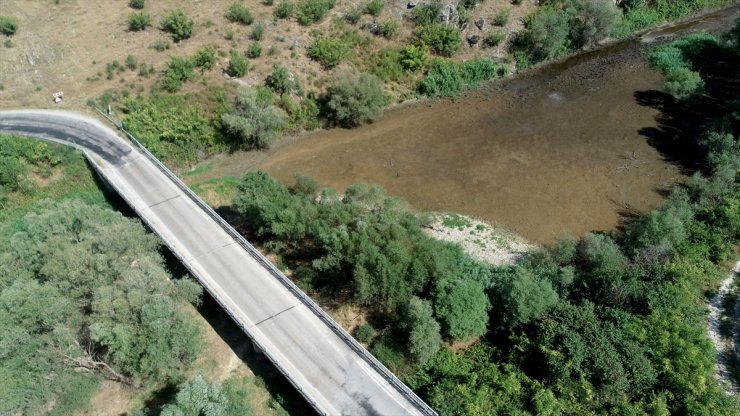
x,y
61,46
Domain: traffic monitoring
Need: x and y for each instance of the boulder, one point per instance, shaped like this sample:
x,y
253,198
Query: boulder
x,y
473,39
479,23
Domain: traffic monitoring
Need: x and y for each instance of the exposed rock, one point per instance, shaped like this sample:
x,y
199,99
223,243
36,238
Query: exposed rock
x,y
463,26
449,15
411,4
479,23
473,39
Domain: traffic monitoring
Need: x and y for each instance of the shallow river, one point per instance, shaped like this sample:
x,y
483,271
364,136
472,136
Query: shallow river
x,y
562,150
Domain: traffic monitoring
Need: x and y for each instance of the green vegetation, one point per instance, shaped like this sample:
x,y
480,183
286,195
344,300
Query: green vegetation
x,y
442,39
284,9
178,24
330,52
311,11
239,13
178,71
175,128
204,58
676,61
200,397
281,80
612,323
8,25
501,18
449,78
255,121
254,50
58,311
388,29
137,4
238,65
139,21
374,7
257,31
427,13
354,98
161,45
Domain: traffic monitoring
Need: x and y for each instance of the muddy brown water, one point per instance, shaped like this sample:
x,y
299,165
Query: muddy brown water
x,y
554,152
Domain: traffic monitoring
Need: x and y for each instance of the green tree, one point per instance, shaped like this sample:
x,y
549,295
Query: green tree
x,y
354,98
525,298
198,397
592,20
462,307
423,330
177,23
255,121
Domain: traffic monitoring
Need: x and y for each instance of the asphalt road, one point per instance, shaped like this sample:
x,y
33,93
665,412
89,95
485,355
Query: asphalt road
x,y
332,376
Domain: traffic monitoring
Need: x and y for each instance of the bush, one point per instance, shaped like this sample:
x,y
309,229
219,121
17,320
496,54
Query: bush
x,y
427,14
328,51
131,62
257,31
501,18
255,121
161,45
423,330
374,7
281,80
365,333
442,39
388,29
178,71
353,15
413,58
546,36
136,4
449,78
462,307
238,65
178,24
204,57
239,13
494,38
311,11
354,98
386,64
8,25
139,21
283,10
254,50
591,20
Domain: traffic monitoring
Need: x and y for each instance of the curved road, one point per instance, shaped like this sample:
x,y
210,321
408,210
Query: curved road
x,y
329,370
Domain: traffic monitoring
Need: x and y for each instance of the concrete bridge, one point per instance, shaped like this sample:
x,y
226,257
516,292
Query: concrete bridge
x,y
327,366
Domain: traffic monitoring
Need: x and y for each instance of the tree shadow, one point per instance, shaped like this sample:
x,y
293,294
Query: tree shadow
x,y
276,384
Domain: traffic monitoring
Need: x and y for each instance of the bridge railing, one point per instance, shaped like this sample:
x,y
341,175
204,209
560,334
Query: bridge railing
x,y
275,272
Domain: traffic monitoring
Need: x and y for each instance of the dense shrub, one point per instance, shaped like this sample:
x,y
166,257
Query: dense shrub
x,y
328,51
238,65
354,98
204,57
178,24
442,39
281,80
255,121
414,58
494,38
449,78
424,339
311,11
178,71
284,9
547,36
137,4
675,59
591,20
139,21
8,25
239,13
386,64
427,13
388,29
